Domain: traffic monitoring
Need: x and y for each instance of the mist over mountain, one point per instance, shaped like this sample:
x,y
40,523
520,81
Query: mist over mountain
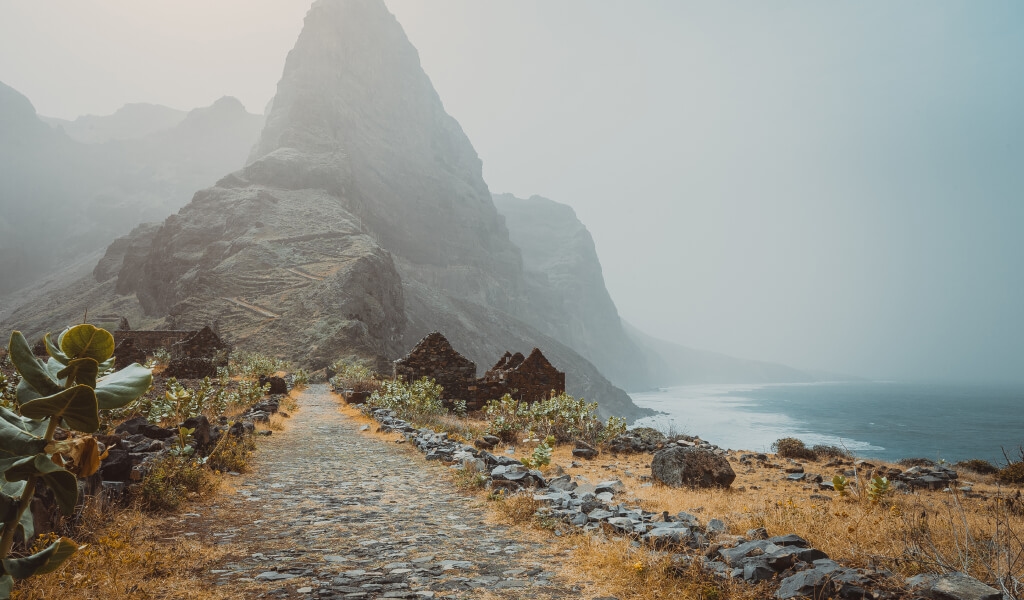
x,y
62,198
128,122
566,288
361,223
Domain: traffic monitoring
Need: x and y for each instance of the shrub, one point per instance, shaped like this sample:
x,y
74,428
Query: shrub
x,y
171,480
356,378
541,454
418,401
792,448
915,462
562,416
1012,474
977,465
232,453
828,451
253,364
70,388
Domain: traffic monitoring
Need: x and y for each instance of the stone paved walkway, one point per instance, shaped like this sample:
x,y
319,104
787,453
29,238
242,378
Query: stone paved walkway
x,y
331,513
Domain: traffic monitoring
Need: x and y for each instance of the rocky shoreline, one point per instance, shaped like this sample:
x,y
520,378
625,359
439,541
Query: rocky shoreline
x,y
788,559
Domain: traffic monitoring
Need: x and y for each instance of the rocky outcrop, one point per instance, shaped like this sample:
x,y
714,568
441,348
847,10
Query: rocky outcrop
x,y
566,290
678,466
355,99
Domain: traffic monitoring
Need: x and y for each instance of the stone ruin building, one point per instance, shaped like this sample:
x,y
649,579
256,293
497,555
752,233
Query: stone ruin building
x,y
527,379
194,354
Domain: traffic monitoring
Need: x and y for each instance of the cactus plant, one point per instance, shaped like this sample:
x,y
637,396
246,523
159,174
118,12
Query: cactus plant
x,y
68,389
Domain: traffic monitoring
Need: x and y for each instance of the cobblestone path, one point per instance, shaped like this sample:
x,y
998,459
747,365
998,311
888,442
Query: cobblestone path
x,y
331,513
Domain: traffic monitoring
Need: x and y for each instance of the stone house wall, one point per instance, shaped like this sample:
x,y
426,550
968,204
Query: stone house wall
x,y
434,357
528,379
150,341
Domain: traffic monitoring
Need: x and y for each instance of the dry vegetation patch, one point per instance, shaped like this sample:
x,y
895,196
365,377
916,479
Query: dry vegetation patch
x,y
977,530
130,555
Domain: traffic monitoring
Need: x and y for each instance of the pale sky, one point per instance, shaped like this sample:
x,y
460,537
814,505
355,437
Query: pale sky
x,y
827,185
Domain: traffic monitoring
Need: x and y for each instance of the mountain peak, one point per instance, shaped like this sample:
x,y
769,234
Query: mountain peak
x,y
17,115
354,99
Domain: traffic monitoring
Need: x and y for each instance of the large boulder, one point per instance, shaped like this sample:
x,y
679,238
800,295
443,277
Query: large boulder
x,y
678,466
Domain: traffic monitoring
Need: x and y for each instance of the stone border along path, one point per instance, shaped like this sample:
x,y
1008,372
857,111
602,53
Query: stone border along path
x,y
330,513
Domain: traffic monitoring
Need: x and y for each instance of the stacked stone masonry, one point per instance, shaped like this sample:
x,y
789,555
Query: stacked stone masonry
x,y
194,354
528,379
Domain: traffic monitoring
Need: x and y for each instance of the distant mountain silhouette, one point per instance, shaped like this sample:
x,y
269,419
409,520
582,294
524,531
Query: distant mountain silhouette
x,y
131,121
61,199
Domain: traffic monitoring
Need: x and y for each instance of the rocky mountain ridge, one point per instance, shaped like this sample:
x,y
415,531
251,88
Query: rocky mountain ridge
x,y
81,196
131,121
361,223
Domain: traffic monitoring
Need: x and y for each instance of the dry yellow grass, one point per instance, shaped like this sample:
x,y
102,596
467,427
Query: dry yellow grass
x,y
905,533
137,555
129,555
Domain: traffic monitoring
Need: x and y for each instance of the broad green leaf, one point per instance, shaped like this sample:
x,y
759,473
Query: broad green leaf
x,y
87,341
76,405
31,368
53,367
121,387
36,428
16,443
54,351
27,525
42,562
6,587
80,371
26,392
63,483
8,508
10,494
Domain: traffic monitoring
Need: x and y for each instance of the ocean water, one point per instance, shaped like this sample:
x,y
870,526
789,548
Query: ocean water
x,y
882,420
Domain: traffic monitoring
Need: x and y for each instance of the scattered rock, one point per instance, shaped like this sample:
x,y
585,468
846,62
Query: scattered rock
x,y
584,450
697,467
953,586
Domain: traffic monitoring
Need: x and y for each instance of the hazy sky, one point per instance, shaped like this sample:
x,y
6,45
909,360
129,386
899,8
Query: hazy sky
x,y
829,185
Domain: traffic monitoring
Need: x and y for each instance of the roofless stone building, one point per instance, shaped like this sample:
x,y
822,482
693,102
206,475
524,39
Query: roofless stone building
x,y
528,378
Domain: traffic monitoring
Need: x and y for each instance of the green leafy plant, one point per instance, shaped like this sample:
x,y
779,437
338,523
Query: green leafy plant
x,y
67,391
562,416
417,401
161,356
301,378
184,445
354,377
541,454
254,364
841,485
171,480
878,489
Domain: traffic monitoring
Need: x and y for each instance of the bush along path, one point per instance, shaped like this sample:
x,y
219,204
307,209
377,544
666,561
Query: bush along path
x,y
329,513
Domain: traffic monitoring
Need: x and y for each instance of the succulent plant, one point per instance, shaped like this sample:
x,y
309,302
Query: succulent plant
x,y
68,390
